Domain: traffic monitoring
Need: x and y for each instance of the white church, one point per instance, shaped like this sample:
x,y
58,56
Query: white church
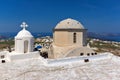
x,y
24,46
24,40
69,40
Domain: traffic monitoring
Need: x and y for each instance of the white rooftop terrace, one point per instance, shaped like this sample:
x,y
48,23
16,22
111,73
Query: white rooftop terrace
x,y
102,67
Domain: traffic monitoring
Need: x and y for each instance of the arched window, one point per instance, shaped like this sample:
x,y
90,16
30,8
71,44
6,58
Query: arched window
x,y
74,37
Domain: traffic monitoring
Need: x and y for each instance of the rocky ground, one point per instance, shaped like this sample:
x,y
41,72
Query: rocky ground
x,y
105,46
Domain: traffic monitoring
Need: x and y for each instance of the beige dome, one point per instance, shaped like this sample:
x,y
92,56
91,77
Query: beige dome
x,y
24,33
69,24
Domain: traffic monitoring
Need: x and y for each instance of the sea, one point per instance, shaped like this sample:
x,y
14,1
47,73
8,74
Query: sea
x,y
9,35
109,38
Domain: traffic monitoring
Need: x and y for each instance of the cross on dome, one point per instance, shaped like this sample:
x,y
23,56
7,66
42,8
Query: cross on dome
x,y
24,25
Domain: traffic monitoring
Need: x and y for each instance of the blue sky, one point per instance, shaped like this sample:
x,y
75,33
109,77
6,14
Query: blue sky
x,y
43,15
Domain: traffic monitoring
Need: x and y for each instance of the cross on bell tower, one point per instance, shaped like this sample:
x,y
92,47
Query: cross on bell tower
x,y
24,25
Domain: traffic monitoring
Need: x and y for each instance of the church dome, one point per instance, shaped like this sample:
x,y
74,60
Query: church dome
x,y
69,24
24,32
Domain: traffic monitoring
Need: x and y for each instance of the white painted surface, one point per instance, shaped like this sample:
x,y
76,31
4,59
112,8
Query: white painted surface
x,y
101,67
20,41
20,56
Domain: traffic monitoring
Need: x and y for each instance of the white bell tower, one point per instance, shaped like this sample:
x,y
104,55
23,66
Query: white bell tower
x,y
24,40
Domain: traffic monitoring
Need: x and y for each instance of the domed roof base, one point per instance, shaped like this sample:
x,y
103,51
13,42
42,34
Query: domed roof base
x,y
23,33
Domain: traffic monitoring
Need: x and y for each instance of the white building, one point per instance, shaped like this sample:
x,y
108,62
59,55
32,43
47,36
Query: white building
x,y
24,40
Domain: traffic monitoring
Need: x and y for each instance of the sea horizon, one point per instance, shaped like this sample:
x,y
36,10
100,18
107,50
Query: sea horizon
x,y
101,36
